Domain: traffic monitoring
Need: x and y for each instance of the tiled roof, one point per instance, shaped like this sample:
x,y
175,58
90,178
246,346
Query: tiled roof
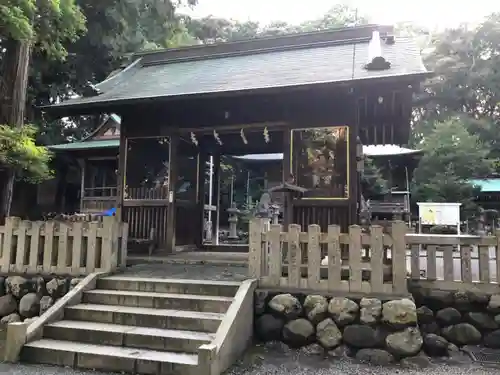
x,y
170,74
488,185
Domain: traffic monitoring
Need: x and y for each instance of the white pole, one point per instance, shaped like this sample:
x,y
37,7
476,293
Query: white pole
x,y
210,186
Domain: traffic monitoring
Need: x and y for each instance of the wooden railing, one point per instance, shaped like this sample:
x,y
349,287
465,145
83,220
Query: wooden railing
x,y
455,262
376,262
329,262
62,247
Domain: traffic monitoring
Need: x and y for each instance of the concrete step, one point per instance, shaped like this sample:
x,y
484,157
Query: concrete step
x,y
145,317
109,358
188,302
181,286
128,336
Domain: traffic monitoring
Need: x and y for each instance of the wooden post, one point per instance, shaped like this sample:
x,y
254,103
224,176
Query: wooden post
x,y
81,163
121,175
11,224
255,248
399,283
172,180
216,179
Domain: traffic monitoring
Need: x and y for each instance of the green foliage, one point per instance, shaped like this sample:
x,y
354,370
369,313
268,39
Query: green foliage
x,y
452,156
19,152
373,183
47,24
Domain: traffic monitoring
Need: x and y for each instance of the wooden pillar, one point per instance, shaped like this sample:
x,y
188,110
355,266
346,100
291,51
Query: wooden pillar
x,y
81,163
354,175
286,173
216,180
121,176
172,180
200,196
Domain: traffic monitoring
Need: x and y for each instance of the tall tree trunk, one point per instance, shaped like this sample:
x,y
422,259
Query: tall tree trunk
x,y
13,87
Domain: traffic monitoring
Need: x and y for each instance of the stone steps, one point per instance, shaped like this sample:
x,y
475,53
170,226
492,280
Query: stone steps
x,y
136,325
188,302
145,317
180,286
108,358
129,336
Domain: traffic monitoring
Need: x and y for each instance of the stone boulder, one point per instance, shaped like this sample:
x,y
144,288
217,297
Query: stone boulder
x,y
259,302
269,328
470,300
481,321
56,288
46,303
371,310
462,334
316,308
405,343
17,286
2,286
417,362
360,336
328,334
38,284
425,315
448,316
8,305
343,310
29,306
399,313
376,357
11,318
435,346
74,282
430,328
286,306
492,339
494,304
298,333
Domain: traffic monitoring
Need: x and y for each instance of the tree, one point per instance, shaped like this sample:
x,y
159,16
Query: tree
x,y
26,25
212,29
452,156
465,61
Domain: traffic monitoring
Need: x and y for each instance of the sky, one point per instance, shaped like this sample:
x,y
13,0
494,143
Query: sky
x,y
429,13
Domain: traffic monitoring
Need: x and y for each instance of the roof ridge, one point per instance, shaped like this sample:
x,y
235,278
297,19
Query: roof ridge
x,y
343,35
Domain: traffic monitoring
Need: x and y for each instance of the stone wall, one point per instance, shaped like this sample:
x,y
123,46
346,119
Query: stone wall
x,y
462,318
369,330
25,298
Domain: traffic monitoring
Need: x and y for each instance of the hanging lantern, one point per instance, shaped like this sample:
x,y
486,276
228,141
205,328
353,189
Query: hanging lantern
x,y
217,138
267,138
242,133
193,139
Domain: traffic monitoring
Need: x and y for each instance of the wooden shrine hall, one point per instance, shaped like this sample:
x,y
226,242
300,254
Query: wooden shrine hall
x,y
314,97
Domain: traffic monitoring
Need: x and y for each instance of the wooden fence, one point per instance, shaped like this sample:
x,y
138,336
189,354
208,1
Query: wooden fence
x,y
376,262
62,247
451,262
355,262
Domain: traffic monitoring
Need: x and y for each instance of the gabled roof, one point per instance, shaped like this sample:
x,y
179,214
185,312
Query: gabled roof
x,y
106,135
487,185
334,56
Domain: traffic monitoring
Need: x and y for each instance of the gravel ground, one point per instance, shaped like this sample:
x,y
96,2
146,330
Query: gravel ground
x,y
275,359
192,271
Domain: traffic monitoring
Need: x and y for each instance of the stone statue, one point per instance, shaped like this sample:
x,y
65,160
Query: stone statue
x,y
264,206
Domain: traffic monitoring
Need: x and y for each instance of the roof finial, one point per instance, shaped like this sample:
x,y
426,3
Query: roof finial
x,y
375,59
